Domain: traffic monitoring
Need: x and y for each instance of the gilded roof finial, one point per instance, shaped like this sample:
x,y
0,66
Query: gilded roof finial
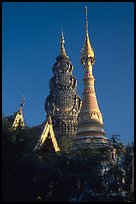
x,y
22,104
62,49
87,51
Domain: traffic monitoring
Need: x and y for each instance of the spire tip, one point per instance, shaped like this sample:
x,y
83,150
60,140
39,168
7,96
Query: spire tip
x,y
62,49
61,29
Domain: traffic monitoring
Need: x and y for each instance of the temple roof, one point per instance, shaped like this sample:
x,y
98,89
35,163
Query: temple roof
x,y
47,133
17,119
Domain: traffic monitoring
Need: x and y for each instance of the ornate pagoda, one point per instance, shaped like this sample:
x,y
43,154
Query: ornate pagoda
x,y
90,121
63,103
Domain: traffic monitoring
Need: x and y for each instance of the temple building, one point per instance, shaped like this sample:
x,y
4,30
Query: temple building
x,y
70,117
90,122
63,103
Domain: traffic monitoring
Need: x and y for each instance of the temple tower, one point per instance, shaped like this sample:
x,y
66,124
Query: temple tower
x,y
90,121
63,103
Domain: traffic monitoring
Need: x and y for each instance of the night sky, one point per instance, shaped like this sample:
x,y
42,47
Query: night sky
x,y
31,42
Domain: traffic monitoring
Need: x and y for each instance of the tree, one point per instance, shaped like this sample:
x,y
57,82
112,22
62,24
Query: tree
x,y
75,174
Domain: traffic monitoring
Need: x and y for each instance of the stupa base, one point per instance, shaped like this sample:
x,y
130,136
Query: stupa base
x,y
92,139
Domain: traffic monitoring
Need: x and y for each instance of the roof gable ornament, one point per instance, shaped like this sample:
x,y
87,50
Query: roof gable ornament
x,y
47,132
19,119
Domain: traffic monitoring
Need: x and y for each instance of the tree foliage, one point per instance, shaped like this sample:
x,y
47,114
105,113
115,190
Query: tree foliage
x,y
72,175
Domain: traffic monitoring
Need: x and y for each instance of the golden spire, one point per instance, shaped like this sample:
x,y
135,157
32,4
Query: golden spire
x,y
62,49
90,120
86,20
87,51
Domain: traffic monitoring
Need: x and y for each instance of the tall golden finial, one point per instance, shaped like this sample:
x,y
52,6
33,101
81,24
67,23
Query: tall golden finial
x,y
62,49
86,12
87,51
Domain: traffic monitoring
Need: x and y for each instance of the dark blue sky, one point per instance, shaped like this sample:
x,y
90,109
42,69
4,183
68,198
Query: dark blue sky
x,y
31,42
